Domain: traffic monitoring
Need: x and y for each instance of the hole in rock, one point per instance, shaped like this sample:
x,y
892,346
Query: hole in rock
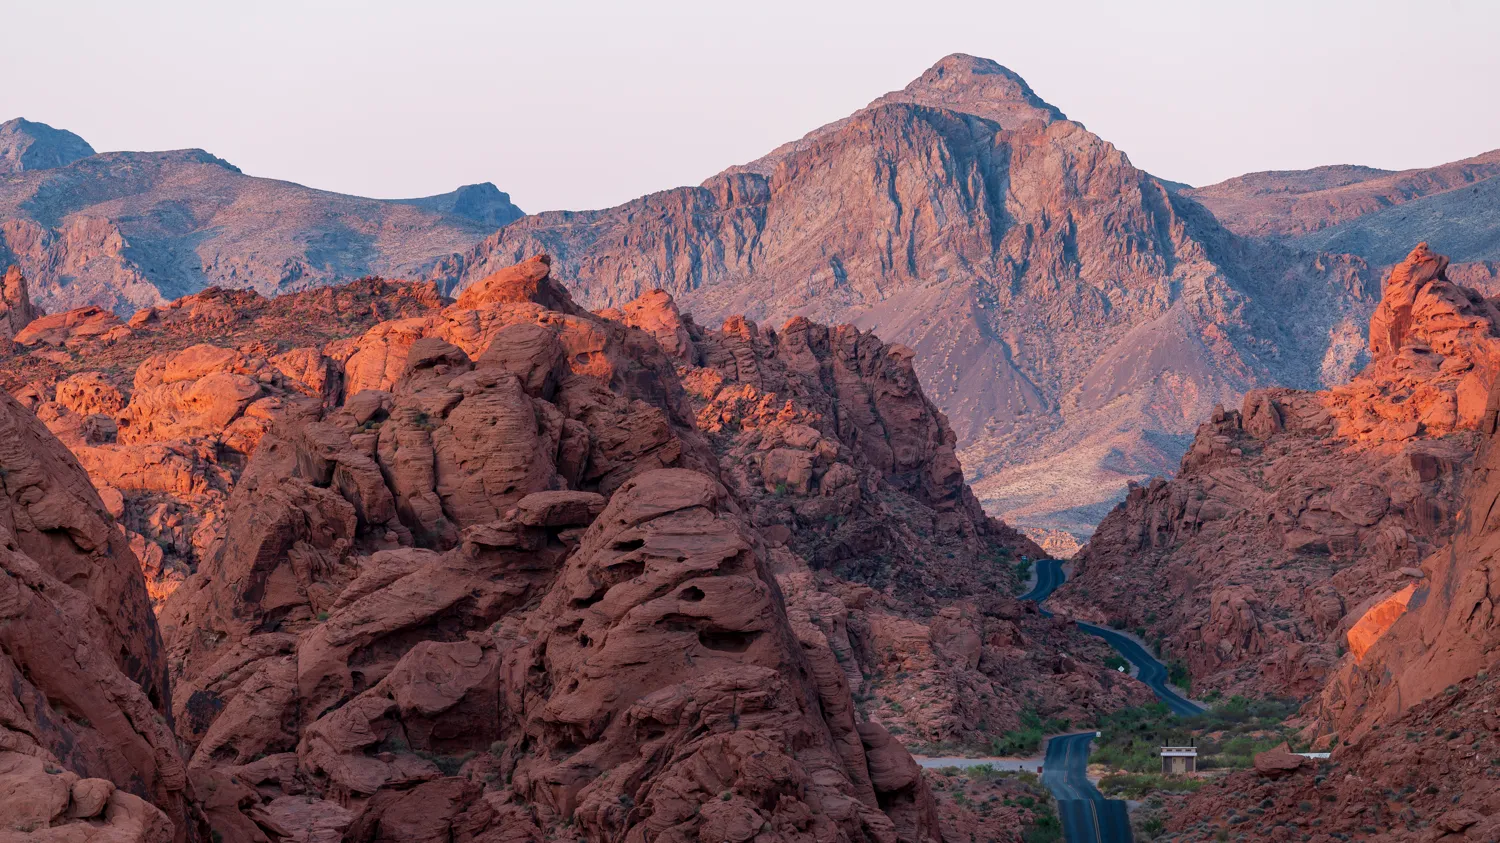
x,y
691,594
727,640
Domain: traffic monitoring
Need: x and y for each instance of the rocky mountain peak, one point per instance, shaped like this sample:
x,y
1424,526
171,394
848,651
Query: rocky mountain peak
x,y
25,145
483,202
978,86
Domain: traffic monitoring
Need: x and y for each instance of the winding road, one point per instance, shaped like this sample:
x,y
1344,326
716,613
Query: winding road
x,y
1088,817
1050,575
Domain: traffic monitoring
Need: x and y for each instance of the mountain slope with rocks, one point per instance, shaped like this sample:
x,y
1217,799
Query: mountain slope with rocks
x,y
1073,316
125,230
496,567
1296,531
1297,203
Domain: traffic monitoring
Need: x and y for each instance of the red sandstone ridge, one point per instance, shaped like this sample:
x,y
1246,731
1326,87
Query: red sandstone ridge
x,y
1302,516
488,567
86,751
502,582
163,422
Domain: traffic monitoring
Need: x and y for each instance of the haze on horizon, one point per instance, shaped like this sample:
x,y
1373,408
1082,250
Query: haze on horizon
x,y
582,104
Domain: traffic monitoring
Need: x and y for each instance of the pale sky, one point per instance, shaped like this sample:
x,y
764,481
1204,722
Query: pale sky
x,y
575,104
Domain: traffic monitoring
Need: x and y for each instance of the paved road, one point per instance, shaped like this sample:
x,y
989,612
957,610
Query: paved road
x,y
1050,575
1087,817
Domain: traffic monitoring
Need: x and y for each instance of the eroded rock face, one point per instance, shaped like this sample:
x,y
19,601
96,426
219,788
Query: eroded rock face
x,y
16,309
1297,516
1445,631
85,746
506,582
827,437
164,423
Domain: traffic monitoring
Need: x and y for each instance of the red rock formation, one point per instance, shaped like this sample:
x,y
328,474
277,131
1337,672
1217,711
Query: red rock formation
x,y
1291,518
1449,629
85,748
1426,774
164,423
16,309
505,589
489,565
827,436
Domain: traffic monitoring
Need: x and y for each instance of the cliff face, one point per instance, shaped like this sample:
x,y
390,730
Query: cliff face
x,y
126,230
432,568
1071,315
1296,528
1449,630
85,744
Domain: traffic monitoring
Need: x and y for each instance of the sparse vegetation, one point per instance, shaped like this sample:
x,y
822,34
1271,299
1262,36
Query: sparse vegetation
x,y
1027,740
1137,785
1227,735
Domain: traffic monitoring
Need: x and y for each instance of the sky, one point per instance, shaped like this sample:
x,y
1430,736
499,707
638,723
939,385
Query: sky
x,y
574,104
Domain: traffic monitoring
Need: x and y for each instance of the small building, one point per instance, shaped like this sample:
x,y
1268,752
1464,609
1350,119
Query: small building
x,y
1179,760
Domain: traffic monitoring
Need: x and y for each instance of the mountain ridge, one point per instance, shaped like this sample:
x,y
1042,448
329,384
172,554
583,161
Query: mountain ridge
x,y
126,230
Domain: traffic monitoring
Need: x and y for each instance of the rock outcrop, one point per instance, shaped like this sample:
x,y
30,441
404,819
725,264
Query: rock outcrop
x,y
508,580
164,423
1297,523
16,309
86,746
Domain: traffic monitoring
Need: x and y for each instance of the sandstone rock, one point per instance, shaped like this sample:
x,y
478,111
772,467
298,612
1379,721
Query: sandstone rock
x,y
16,309
1275,763
528,281
1303,505
84,673
71,327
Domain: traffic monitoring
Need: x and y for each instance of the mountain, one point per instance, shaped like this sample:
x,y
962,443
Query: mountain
x,y
25,145
483,203
125,230
1073,315
1375,214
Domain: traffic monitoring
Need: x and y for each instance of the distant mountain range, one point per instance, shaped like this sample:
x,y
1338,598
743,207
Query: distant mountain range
x,y
129,229
1076,317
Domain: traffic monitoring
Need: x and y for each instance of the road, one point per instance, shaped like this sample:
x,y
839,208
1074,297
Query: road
x,y
1087,817
1050,575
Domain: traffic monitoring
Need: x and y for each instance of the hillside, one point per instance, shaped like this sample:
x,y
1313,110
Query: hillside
x,y
1297,527
125,230
1072,315
1296,203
